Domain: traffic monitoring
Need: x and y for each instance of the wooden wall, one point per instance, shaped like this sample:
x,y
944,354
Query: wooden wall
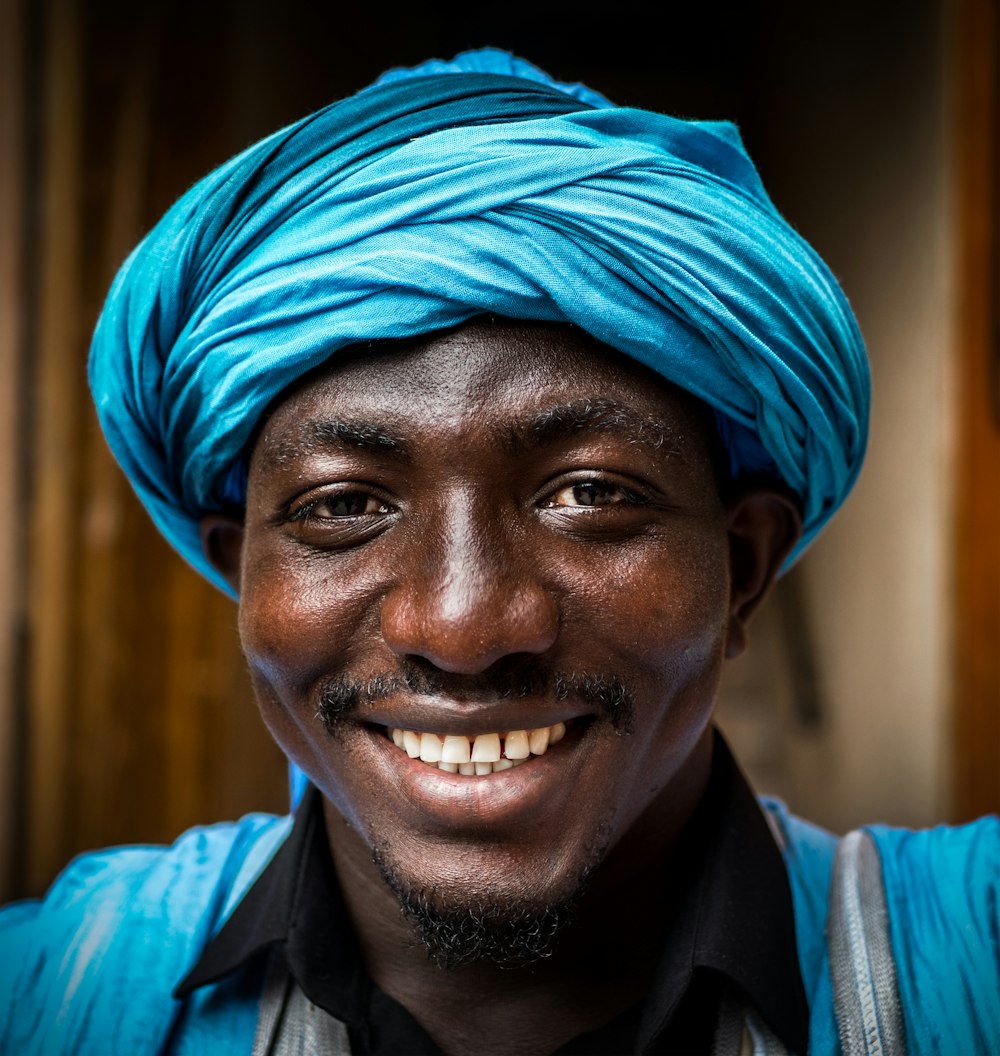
x,y
976,704
131,716
12,195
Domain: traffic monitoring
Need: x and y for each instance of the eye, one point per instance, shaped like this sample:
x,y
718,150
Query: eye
x,y
340,505
590,493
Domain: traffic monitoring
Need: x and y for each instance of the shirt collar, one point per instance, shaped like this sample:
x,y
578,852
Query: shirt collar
x,y
734,918
296,900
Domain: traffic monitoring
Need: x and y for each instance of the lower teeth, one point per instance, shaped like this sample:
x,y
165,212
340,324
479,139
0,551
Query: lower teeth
x,y
476,769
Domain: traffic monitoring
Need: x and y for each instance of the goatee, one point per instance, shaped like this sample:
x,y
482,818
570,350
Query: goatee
x,y
482,930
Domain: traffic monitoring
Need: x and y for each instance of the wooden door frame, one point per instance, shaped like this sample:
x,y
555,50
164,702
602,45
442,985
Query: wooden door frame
x,y
13,328
976,597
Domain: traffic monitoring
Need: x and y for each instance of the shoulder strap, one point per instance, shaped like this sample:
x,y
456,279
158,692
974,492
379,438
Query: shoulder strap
x,y
740,1032
289,1024
862,969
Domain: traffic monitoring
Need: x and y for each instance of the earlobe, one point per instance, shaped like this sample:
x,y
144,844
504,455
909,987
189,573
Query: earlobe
x,y
222,543
764,525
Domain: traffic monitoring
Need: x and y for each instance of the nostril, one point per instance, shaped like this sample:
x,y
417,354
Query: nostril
x,y
469,633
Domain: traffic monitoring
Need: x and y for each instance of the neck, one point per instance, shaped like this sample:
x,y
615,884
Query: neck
x,y
602,964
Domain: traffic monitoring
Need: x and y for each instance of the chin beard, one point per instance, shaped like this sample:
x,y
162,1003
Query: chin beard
x,y
504,933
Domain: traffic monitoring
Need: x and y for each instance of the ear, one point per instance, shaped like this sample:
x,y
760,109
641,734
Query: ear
x,y
222,543
764,525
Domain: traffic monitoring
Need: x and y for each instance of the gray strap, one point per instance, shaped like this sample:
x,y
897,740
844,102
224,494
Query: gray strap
x,y
739,1032
762,1041
729,1030
862,969
272,1003
289,1024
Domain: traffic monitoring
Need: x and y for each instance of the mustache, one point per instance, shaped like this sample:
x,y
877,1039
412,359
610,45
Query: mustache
x,y
610,696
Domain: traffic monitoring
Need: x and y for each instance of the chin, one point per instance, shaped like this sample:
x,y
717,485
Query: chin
x,y
495,916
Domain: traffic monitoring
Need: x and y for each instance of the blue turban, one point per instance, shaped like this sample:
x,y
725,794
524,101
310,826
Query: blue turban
x,y
447,191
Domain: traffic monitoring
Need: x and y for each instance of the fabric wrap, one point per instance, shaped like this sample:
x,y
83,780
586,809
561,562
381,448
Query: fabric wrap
x,y
453,190
133,921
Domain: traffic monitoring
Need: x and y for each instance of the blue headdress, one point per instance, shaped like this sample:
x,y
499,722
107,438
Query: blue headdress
x,y
455,189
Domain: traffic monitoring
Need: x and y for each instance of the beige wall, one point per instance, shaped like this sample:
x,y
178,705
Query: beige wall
x,y
871,186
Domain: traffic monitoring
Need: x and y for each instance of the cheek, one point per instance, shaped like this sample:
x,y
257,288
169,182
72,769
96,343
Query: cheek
x,y
669,641
664,602
300,617
298,626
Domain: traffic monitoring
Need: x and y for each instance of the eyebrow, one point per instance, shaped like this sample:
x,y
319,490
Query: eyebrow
x,y
593,414
323,434
548,426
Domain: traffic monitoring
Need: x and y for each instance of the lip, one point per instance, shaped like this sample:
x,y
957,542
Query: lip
x,y
468,719
434,801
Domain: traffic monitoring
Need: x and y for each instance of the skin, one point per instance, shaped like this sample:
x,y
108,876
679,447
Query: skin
x,y
465,550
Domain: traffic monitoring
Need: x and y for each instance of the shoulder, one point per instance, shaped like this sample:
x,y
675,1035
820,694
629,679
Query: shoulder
x,y
943,881
945,855
942,887
808,851
123,921
942,899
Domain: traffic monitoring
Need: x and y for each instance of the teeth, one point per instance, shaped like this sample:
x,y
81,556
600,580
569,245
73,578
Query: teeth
x,y
456,750
486,748
430,748
538,740
488,753
515,745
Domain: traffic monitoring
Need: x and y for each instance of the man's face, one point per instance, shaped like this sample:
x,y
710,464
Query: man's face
x,y
503,528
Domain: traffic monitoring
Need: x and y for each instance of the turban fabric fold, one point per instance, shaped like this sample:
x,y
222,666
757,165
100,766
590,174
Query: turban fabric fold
x,y
452,190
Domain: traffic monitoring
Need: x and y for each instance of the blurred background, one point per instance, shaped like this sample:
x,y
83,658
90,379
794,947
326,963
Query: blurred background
x,y
871,690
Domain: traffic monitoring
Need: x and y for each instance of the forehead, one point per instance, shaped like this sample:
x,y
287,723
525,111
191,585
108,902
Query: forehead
x,y
494,374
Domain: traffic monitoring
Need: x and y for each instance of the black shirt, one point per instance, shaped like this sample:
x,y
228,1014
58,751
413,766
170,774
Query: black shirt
x,y
733,934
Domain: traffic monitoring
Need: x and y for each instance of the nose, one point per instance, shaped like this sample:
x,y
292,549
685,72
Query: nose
x,y
467,597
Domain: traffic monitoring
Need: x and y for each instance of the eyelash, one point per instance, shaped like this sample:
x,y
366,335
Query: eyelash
x,y
630,497
368,521
306,512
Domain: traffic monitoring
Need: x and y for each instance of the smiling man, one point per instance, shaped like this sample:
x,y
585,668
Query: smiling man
x,y
487,580
498,409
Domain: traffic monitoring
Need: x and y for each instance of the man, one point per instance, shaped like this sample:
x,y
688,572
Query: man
x,y
498,409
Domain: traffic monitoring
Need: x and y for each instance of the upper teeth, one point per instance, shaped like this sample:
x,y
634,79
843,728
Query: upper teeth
x,y
485,754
